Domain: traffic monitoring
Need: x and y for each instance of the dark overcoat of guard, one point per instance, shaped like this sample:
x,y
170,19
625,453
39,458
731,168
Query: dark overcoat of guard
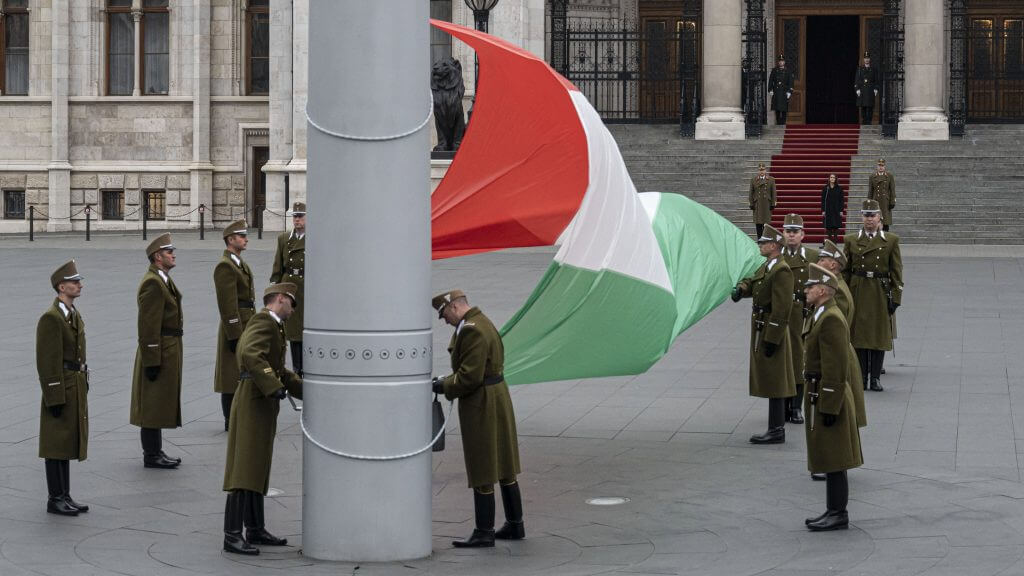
x,y
157,404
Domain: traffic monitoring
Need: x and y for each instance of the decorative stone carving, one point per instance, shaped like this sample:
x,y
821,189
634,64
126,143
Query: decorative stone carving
x,y
448,88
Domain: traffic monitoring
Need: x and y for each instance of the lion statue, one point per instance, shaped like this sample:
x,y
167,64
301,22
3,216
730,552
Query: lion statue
x,y
448,89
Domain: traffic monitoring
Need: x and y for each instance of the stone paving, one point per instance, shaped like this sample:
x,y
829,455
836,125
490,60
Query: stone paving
x,y
940,492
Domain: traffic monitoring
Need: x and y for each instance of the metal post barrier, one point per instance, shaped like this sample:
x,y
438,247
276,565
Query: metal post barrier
x,y
202,221
259,220
31,223
88,223
145,213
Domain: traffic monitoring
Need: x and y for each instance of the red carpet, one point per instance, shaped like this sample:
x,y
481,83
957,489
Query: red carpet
x,y
809,154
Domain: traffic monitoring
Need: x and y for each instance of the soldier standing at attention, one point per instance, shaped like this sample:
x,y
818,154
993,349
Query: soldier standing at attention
x,y
264,382
490,444
882,189
780,88
156,379
865,85
831,258
874,271
771,365
63,376
290,266
799,258
833,440
232,280
762,198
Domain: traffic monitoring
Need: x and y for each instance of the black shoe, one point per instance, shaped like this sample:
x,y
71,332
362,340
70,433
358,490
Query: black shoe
x,y
818,477
865,383
479,539
772,436
177,460
511,531
60,507
876,385
263,538
883,370
159,461
831,521
81,507
795,416
809,521
236,545
225,424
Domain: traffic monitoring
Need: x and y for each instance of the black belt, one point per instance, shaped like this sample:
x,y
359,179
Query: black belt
x,y
172,332
495,379
863,274
75,366
247,304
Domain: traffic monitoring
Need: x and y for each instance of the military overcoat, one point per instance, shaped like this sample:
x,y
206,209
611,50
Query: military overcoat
x,y
771,288
799,262
866,82
490,444
232,280
253,421
836,447
290,266
762,198
60,339
844,301
780,84
871,263
882,189
157,404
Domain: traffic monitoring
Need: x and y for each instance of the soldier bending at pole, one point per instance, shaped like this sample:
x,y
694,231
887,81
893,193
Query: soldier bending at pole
x,y
833,440
490,445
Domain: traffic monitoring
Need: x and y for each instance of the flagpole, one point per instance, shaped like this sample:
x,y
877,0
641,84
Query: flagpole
x,y
367,338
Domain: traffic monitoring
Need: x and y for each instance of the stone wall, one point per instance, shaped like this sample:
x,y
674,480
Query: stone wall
x,y
225,132
87,188
157,131
25,137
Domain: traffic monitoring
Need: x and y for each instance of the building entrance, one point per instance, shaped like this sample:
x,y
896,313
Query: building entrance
x,y
833,43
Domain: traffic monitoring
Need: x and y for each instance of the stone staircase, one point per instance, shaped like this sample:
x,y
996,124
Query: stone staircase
x,y
968,190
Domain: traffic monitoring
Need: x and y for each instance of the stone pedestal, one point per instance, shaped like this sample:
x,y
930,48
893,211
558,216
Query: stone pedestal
x,y
59,205
721,115
924,116
274,212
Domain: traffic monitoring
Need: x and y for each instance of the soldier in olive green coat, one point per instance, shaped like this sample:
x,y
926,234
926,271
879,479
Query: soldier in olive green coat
x,y
833,439
882,189
156,378
762,198
232,280
771,364
832,259
799,257
264,382
490,444
874,271
64,378
290,266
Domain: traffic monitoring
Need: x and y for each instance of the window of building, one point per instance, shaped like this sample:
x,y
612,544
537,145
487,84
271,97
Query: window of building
x,y
257,53
440,41
15,46
113,204
120,48
155,47
14,204
155,202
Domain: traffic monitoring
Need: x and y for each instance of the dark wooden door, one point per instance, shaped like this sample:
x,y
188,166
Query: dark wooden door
x,y
260,155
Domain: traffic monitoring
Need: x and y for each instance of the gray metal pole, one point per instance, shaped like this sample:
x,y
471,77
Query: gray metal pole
x,y
367,337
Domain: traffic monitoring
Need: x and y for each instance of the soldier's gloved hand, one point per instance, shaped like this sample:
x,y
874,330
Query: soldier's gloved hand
x,y
56,410
152,372
858,92
279,394
437,385
769,349
828,419
892,308
736,296
876,92
233,345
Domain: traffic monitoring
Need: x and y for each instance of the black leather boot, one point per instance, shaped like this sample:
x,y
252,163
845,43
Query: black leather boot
x,y
772,436
794,405
818,476
66,478
876,385
512,502
483,534
833,520
233,541
255,530
809,521
56,504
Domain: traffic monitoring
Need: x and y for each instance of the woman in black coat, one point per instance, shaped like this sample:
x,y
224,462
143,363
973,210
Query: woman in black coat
x,y
833,204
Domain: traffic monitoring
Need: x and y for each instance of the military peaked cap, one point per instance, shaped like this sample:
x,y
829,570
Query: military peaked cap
x,y
793,221
286,288
818,275
161,242
66,273
881,161
830,250
870,207
299,209
761,166
770,234
445,298
236,227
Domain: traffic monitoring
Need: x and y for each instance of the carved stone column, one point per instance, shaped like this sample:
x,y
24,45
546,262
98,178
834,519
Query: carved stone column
x,y
59,170
721,115
137,19
924,116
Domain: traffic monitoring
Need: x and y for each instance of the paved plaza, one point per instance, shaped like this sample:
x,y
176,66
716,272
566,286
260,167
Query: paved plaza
x,y
940,491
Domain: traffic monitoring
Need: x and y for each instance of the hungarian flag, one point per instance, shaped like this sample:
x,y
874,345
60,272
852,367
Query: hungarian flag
x,y
537,166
